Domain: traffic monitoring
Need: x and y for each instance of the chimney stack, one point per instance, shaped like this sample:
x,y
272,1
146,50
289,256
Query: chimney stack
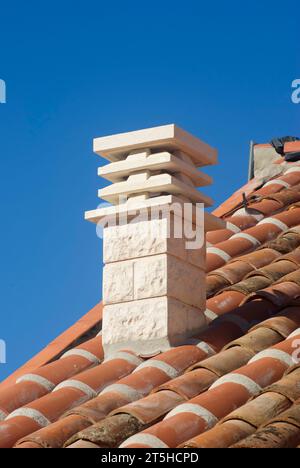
x,y
153,238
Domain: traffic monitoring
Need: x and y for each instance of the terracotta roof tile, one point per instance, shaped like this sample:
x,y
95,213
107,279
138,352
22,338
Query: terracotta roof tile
x,y
177,390
43,380
282,431
89,321
66,395
237,269
236,198
200,376
272,401
234,225
292,146
226,394
252,238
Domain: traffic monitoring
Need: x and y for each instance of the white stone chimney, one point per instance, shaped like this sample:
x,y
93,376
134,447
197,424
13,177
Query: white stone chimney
x,y
154,275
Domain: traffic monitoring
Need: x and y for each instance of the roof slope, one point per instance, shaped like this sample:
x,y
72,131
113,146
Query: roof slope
x,y
236,384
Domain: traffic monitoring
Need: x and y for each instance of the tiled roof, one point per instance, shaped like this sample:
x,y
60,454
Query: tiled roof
x,y
237,384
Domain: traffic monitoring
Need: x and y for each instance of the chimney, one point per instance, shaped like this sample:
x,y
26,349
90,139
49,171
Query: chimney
x,y
153,238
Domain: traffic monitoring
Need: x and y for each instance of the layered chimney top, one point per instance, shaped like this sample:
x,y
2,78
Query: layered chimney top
x,y
154,275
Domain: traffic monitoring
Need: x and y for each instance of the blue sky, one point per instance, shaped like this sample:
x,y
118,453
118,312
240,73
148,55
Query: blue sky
x,y
77,70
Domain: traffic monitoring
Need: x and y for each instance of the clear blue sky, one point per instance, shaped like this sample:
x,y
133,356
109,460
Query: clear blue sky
x,y
76,70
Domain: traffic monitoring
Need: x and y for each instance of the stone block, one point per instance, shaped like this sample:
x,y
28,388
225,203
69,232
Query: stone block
x,y
142,238
149,326
167,275
118,282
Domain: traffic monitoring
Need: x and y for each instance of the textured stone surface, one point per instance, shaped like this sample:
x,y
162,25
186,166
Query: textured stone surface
x,y
186,282
144,238
149,326
167,275
134,240
151,277
118,282
156,275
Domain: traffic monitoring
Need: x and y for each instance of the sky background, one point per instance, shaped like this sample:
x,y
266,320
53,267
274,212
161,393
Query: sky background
x,y
78,70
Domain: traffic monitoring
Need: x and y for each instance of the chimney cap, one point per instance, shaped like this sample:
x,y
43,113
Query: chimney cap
x,y
165,137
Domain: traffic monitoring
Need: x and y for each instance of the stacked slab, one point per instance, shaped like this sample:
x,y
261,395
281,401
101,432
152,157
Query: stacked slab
x,y
153,238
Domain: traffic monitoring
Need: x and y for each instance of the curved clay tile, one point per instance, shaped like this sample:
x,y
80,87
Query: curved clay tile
x,y
57,433
232,296
283,428
236,198
136,385
57,346
68,394
251,239
234,225
246,420
237,269
43,380
228,393
197,380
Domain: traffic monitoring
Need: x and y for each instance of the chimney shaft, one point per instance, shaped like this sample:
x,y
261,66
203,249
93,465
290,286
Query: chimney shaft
x,y
153,238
